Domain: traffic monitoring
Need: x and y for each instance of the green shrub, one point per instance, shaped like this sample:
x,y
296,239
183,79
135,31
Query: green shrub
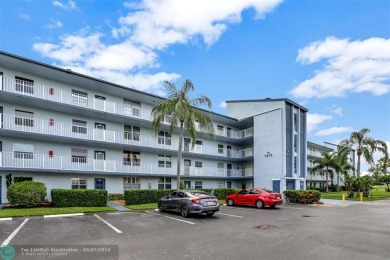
x,y
302,196
79,198
136,197
27,193
116,196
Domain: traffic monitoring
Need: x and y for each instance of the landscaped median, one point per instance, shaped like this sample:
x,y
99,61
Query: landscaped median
x,y
23,212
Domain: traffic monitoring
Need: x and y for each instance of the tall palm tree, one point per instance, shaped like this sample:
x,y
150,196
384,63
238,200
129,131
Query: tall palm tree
x,y
184,114
327,162
384,162
342,164
363,145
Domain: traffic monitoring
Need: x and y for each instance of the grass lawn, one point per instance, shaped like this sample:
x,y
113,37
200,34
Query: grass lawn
x,y
154,206
377,193
22,212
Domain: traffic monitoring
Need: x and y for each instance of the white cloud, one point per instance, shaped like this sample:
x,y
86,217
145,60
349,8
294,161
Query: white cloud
x,y
337,110
70,6
125,56
222,104
333,130
160,23
54,24
350,66
313,120
25,16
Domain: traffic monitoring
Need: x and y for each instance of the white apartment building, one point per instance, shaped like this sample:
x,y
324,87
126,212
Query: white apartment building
x,y
70,130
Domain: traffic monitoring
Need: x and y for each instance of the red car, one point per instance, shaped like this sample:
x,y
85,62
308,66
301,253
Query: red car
x,y
256,197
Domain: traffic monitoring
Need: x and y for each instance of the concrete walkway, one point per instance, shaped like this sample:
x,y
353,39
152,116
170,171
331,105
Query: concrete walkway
x,y
339,202
117,207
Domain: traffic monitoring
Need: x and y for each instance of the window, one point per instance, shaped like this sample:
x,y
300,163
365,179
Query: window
x,y
79,126
168,118
198,167
21,179
131,108
164,138
131,183
23,151
24,118
131,158
295,122
220,148
79,155
164,183
164,161
221,168
221,184
24,85
295,164
295,143
254,192
79,98
220,130
198,184
198,146
243,192
78,184
229,184
132,132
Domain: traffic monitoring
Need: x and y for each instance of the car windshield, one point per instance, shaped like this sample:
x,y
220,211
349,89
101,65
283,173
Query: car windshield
x,y
199,193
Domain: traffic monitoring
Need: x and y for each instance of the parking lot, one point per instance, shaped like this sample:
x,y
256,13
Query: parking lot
x,y
359,231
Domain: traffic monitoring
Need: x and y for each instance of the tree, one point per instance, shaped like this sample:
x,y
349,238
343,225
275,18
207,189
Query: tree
x,y
386,180
384,162
365,146
327,162
184,115
342,164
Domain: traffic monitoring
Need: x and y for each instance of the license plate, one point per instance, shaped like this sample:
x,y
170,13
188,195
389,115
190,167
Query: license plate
x,y
210,203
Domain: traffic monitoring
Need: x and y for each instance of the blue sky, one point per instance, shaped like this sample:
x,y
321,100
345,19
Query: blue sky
x,y
331,56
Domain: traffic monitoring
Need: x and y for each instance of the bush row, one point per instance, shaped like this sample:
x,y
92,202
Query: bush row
x,y
79,198
27,193
135,197
302,196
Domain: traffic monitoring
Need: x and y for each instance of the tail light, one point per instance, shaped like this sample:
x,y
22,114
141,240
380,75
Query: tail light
x,y
195,201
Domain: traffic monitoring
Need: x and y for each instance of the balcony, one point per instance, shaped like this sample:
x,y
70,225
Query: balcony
x,y
79,99
53,128
67,163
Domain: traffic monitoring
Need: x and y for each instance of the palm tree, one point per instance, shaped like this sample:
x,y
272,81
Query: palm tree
x,y
342,164
328,161
384,162
363,145
184,114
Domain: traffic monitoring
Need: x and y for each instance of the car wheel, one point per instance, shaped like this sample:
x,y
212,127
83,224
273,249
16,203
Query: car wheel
x,y
259,204
209,214
185,212
160,207
230,202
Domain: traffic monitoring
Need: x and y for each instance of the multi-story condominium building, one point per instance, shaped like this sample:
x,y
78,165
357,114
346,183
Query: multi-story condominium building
x,y
317,178
69,130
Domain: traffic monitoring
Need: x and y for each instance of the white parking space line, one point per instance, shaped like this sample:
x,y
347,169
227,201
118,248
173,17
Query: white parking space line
x,y
3,219
14,233
170,217
63,215
287,207
108,224
249,209
235,216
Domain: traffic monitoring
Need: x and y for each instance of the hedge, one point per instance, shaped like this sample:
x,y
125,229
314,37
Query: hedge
x,y
136,197
302,196
79,198
26,193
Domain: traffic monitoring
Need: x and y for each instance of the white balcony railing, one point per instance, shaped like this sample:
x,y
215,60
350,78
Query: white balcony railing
x,y
49,127
54,94
68,163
